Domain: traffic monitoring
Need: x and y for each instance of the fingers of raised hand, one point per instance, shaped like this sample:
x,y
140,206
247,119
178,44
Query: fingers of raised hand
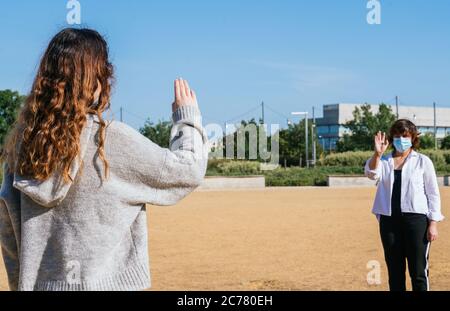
x,y
381,138
177,90
193,95
184,95
187,91
378,137
181,89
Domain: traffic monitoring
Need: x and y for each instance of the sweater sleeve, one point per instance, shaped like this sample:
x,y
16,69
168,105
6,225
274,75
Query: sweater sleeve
x,y
159,176
8,241
186,159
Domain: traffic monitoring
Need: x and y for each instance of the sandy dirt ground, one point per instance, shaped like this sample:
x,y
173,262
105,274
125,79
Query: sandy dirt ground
x,y
275,239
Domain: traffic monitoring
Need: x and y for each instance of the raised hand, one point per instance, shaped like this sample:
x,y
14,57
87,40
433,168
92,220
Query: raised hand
x,y
184,95
381,143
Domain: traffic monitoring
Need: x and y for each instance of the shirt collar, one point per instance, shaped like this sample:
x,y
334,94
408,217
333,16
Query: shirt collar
x,y
413,153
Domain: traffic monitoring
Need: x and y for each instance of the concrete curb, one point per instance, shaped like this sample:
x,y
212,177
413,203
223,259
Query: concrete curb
x,y
235,182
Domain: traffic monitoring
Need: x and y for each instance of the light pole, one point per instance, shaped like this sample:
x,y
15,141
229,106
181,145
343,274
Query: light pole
x,y
313,137
306,133
435,128
322,140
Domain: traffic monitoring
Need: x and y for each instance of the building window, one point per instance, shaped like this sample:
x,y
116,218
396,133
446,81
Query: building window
x,y
323,129
333,142
424,129
324,142
334,129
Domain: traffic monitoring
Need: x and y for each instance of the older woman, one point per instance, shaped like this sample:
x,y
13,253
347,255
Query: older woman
x,y
407,204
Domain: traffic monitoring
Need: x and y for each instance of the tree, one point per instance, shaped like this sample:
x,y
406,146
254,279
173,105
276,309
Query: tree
x,y
427,141
292,144
10,103
159,133
364,126
445,144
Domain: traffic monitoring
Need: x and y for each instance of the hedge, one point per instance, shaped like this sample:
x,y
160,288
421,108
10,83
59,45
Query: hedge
x,y
296,176
233,167
351,158
440,158
348,163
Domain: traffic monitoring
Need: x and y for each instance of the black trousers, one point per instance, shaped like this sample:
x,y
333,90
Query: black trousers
x,y
404,239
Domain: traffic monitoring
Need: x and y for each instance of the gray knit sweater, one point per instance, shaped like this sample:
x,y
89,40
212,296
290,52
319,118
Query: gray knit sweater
x,y
89,234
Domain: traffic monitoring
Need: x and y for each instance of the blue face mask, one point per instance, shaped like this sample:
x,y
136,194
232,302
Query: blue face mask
x,y
402,144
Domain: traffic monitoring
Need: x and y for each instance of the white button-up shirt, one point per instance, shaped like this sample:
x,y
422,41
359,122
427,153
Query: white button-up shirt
x,y
419,190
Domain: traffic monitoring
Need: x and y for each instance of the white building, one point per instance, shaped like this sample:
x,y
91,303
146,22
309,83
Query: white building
x,y
331,126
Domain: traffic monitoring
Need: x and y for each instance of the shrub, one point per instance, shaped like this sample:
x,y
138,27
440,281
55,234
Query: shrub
x,y
350,158
358,158
437,156
447,156
296,176
233,167
348,163
445,143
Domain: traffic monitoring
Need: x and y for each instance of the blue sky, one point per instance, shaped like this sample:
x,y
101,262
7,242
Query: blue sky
x,y
292,54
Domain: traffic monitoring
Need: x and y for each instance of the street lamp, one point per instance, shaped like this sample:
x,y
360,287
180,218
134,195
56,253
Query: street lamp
x,y
322,139
306,133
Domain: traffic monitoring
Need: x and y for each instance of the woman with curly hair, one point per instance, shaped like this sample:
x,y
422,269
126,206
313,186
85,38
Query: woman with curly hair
x,y
72,201
407,204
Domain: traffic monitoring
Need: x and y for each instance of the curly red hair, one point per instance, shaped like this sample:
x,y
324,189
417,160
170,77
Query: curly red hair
x,y
46,136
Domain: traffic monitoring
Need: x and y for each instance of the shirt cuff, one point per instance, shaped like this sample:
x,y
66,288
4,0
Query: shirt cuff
x,y
435,216
372,174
